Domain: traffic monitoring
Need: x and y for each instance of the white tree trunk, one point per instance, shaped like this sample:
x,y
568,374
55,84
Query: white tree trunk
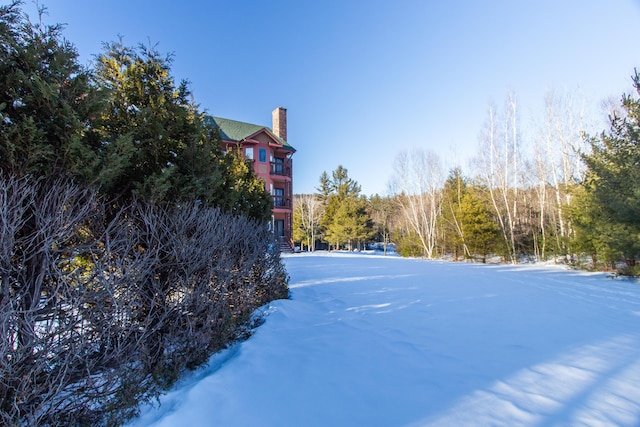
x,y
417,179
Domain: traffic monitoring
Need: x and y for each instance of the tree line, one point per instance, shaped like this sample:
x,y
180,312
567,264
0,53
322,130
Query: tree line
x,y
131,246
566,195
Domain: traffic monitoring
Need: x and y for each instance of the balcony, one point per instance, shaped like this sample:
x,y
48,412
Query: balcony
x,y
281,202
280,169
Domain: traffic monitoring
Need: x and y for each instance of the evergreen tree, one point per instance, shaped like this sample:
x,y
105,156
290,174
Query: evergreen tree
x,y
409,245
342,185
242,192
155,145
47,101
350,223
450,219
147,125
325,189
345,218
594,231
588,223
479,228
613,176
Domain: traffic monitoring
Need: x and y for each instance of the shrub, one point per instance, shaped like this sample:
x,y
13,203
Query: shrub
x,y
97,316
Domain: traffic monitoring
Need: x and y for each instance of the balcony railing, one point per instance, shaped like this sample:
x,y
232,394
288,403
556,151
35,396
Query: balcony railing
x,y
280,169
281,202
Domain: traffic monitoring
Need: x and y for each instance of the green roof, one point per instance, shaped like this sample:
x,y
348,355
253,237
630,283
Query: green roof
x,y
232,130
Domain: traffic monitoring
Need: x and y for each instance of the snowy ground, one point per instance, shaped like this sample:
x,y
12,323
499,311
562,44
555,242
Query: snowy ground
x,y
373,341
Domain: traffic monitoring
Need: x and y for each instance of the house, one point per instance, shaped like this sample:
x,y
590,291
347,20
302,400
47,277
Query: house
x,y
270,153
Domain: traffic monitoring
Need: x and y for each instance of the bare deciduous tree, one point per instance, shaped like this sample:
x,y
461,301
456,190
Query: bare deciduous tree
x,y
499,169
417,180
558,166
307,212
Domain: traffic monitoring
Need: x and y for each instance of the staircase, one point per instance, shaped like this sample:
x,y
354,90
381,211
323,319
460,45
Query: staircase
x,y
285,246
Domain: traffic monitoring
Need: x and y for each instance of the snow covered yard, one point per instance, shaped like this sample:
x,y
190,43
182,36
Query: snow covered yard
x,y
375,341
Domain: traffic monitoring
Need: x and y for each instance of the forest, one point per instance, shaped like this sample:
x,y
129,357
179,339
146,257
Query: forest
x,y
564,195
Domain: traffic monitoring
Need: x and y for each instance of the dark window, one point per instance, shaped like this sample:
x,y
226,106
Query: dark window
x,y
262,155
278,166
278,197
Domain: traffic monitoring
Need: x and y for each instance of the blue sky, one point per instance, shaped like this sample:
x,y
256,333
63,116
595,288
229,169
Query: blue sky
x,y
363,80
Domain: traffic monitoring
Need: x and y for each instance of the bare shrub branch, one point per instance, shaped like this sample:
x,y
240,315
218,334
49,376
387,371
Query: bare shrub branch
x,y
97,316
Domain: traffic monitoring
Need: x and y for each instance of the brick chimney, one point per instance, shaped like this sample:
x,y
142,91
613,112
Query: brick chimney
x,y
279,119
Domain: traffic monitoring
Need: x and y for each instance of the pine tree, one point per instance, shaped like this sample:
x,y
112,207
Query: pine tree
x,y
480,230
325,189
345,218
450,219
613,177
589,226
350,223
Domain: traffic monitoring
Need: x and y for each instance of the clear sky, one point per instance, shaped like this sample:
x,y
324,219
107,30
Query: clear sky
x,y
363,80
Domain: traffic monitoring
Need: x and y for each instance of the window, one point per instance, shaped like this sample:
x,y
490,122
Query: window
x,y
278,166
278,197
262,155
248,153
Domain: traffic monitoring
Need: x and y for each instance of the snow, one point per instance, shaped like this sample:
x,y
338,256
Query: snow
x,y
385,341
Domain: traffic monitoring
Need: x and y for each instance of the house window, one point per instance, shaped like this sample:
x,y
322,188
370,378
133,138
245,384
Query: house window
x,y
248,153
278,197
262,155
278,166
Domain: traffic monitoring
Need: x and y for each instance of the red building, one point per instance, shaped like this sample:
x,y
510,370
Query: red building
x,y
270,153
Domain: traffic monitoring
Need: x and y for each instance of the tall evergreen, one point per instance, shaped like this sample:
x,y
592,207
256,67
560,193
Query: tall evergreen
x,y
479,227
594,234
613,177
47,101
345,218
155,145
350,222
150,131
450,219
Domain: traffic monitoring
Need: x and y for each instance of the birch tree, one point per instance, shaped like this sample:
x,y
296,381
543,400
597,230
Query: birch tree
x,y
558,166
499,169
565,142
417,181
307,212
